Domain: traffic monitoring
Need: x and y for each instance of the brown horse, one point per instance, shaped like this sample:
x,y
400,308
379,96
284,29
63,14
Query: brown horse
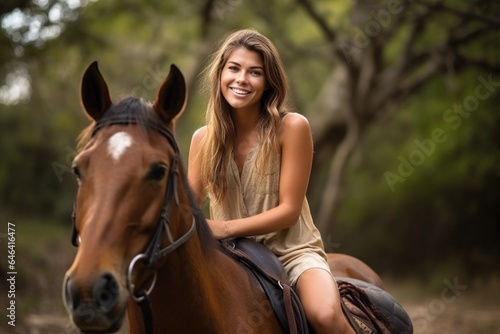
x,y
140,234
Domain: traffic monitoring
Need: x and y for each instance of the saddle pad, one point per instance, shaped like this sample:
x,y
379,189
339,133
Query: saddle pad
x,y
399,320
262,256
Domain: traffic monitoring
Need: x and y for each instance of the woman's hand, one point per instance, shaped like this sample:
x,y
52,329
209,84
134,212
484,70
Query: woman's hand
x,y
219,229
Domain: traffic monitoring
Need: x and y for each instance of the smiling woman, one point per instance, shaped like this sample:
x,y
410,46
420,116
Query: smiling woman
x,y
243,81
253,160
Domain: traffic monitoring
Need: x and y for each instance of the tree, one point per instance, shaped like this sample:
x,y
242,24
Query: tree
x,y
393,50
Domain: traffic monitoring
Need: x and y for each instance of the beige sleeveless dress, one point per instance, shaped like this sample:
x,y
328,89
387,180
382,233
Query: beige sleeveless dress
x,y
299,247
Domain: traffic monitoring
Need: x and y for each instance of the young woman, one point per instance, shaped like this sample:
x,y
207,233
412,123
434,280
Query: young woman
x,y
253,160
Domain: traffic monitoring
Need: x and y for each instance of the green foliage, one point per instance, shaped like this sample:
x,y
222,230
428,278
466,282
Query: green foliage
x,y
28,180
445,208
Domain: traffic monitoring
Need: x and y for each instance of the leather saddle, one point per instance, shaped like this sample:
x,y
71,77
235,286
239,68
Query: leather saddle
x,y
273,279
369,309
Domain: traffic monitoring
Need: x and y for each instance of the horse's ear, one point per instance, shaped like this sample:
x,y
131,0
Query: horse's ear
x,y
171,98
94,92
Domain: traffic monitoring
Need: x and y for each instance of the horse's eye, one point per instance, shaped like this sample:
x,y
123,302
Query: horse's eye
x,y
157,173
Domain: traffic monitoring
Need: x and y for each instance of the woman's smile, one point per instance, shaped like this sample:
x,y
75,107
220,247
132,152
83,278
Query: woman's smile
x,y
239,91
243,80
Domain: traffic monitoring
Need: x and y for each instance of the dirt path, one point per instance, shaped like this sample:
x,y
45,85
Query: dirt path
x,y
454,306
456,318
464,315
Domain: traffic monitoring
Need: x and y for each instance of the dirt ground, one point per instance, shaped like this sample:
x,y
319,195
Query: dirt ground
x,y
455,308
454,305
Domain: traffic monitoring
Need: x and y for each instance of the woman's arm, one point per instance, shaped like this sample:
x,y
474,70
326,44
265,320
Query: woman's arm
x,y
194,166
296,162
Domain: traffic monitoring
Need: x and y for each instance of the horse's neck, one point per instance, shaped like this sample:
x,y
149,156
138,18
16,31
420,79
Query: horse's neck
x,y
196,293
187,292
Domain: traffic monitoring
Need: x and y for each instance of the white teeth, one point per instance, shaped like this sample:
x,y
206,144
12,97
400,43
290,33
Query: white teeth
x,y
239,91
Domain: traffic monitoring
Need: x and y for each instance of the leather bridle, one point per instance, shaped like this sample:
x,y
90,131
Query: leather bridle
x,y
153,251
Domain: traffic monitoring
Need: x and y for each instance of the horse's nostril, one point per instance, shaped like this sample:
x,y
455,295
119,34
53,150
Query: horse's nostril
x,y
72,298
106,292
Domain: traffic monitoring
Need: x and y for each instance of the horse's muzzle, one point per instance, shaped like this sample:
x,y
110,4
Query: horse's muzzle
x,y
96,307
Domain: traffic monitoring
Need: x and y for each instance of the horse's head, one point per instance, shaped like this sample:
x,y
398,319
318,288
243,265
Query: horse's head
x,y
127,190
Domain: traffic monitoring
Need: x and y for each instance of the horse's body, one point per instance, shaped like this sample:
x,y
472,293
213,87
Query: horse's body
x,y
343,265
128,189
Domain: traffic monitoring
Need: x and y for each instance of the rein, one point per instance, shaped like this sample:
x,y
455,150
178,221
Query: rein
x,y
153,251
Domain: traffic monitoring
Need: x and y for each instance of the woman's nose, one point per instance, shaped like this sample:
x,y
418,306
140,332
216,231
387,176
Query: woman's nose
x,y
241,78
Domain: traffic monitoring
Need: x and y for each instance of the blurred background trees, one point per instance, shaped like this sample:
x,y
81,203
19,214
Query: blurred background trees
x,y
401,96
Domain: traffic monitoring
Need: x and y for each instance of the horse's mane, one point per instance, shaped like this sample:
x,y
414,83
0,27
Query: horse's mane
x,y
139,112
133,109
205,235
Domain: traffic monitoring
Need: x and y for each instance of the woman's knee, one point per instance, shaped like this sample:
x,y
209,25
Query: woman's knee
x,y
323,317
319,295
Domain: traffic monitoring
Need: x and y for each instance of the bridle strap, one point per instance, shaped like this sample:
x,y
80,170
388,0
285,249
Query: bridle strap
x,y
153,251
74,234
147,314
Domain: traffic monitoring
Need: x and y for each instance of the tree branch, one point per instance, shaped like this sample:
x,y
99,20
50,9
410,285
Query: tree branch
x,y
471,15
206,17
332,190
302,51
389,84
461,62
330,34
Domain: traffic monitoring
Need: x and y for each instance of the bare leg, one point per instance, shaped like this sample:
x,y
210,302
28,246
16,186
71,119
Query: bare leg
x,y
320,298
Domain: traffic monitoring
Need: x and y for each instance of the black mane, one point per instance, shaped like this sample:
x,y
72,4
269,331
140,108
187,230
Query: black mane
x,y
131,110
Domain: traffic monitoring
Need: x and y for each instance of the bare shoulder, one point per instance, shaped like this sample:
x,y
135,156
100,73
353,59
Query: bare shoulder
x,y
196,141
199,134
294,124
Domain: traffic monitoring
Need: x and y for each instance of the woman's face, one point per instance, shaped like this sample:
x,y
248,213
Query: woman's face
x,y
243,80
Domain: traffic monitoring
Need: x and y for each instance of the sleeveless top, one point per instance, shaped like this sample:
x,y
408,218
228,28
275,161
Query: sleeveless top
x,y
298,247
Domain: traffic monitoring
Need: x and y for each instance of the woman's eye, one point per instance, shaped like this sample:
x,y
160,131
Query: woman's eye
x,y
76,171
157,173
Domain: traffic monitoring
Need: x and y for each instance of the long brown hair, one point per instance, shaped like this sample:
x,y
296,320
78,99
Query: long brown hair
x,y
217,146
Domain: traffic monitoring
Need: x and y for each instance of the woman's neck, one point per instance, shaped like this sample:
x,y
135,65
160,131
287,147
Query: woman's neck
x,y
244,120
